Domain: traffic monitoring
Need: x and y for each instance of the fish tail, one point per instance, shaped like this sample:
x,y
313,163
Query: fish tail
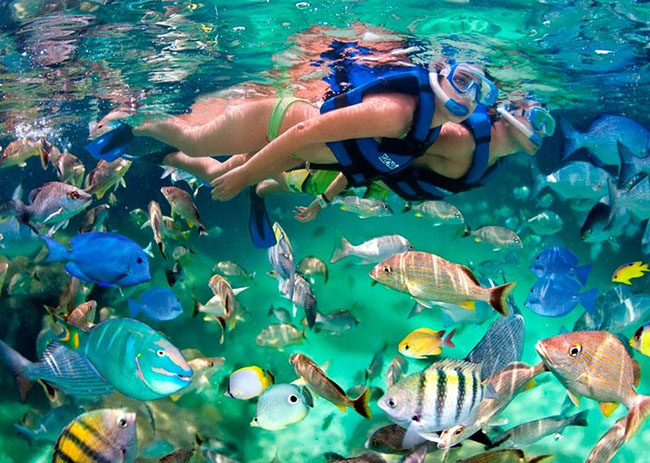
x,y
134,308
55,251
202,230
588,299
197,307
499,296
627,171
636,416
447,342
539,180
580,419
161,246
361,404
572,139
341,251
16,365
582,273
540,458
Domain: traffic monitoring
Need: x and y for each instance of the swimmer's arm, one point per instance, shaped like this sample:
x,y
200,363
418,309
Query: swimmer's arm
x,y
333,190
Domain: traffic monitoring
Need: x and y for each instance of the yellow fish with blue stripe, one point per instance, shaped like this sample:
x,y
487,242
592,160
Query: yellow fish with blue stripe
x,y
626,272
100,436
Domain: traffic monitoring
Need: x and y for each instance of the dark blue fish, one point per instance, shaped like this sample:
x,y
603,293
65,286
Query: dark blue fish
x,y
558,294
502,344
106,259
159,304
557,259
59,366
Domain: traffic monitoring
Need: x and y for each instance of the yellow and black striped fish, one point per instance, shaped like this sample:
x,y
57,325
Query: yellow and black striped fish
x,y
100,436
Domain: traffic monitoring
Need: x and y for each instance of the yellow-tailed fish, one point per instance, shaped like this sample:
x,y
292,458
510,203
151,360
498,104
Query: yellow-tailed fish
x,y
626,272
183,206
322,385
432,280
595,364
99,436
248,382
422,342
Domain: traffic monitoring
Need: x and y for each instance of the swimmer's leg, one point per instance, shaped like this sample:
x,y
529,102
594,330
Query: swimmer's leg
x,y
240,129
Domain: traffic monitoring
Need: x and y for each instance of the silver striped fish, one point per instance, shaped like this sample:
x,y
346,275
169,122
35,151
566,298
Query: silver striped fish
x,y
595,364
432,280
443,395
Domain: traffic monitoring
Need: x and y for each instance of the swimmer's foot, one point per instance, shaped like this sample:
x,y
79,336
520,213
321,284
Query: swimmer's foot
x,y
231,183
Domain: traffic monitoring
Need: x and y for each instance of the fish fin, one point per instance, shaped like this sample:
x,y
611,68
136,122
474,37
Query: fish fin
x,y
423,303
202,230
490,392
343,408
190,224
447,342
575,399
481,438
134,308
469,305
636,370
582,273
572,139
588,300
417,308
412,436
430,436
236,291
16,365
361,404
54,214
175,397
75,271
28,434
499,296
580,419
300,382
197,307
419,214
222,324
468,272
636,416
540,458
331,456
148,250
55,251
529,385
307,395
341,251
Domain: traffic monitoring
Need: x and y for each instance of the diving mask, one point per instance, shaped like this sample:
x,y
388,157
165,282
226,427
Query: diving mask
x,y
542,124
466,81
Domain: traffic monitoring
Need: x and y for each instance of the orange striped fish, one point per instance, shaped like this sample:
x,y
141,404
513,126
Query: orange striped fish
x,y
432,280
100,436
595,364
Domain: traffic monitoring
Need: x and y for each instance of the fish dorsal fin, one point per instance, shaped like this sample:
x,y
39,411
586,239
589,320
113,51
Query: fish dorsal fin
x,y
467,271
463,366
636,371
33,194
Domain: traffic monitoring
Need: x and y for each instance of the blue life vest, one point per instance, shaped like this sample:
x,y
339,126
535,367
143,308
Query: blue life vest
x,y
418,184
364,160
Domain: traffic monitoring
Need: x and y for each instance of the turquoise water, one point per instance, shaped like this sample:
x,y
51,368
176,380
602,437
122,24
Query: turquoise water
x,y
65,65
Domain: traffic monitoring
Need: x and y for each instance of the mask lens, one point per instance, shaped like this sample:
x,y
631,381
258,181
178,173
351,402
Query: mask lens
x,y
542,121
465,79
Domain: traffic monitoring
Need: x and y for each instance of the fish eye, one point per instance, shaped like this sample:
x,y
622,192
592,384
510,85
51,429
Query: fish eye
x,y
458,431
74,195
575,350
391,403
123,423
160,353
139,261
406,347
292,399
388,270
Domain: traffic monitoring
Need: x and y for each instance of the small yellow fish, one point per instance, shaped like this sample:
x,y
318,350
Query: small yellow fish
x,y
626,272
641,340
422,342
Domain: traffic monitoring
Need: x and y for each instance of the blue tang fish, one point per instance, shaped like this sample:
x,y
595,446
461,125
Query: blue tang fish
x,y
159,304
557,259
557,294
106,259
59,366
134,358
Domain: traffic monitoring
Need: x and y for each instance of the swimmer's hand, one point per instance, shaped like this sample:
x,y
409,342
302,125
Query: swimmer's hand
x,y
229,185
307,214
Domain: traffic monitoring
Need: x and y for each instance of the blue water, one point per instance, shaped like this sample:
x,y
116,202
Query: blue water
x,y
65,65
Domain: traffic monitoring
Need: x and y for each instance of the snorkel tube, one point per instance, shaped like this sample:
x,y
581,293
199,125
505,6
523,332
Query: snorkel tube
x,y
452,105
534,138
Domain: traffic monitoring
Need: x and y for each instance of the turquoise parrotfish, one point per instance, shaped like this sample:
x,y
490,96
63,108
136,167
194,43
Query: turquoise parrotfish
x,y
135,359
